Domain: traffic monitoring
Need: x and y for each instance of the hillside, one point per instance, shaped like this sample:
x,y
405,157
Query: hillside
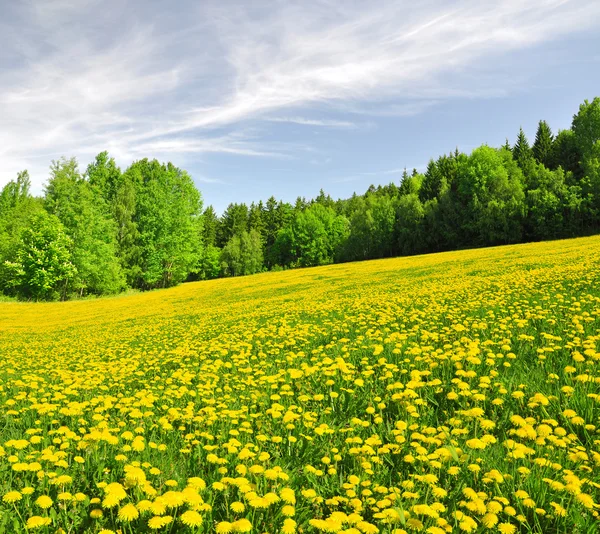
x,y
440,393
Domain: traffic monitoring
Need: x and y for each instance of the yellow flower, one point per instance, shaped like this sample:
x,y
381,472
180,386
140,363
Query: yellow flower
x,y
237,506
288,510
128,513
224,527
158,522
289,526
489,520
37,521
241,525
191,518
110,501
96,513
507,528
172,499
287,495
44,502
12,496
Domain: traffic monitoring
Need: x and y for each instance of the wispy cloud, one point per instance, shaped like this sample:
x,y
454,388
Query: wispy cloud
x,y
315,122
158,80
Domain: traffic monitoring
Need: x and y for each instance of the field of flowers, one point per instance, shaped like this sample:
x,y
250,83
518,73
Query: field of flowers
x,y
456,392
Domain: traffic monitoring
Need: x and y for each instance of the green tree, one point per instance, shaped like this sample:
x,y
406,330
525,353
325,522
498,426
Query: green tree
x,y
17,206
521,151
433,182
168,223
210,228
409,224
566,154
86,219
105,176
490,190
314,237
42,266
276,216
234,221
542,146
242,255
586,127
209,265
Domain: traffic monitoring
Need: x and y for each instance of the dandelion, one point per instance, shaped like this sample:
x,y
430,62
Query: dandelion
x,y
128,513
507,528
37,521
12,497
241,525
237,507
191,518
44,502
289,526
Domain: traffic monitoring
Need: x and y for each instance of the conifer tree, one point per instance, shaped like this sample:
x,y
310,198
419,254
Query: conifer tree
x,y
542,147
521,150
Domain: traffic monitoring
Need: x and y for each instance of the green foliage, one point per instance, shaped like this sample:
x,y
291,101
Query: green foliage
x,y
209,266
242,254
409,224
542,147
491,192
17,207
210,227
167,221
566,154
42,267
522,151
86,219
586,128
313,237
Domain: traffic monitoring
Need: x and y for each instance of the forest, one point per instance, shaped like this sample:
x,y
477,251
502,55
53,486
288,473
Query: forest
x,y
103,230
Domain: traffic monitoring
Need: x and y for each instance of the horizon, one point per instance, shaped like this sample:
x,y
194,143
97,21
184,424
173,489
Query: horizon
x,y
285,99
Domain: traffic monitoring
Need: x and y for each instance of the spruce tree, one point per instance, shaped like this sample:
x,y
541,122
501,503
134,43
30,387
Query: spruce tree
x,y
521,150
542,147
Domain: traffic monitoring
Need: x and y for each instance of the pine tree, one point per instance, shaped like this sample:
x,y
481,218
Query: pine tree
x,y
542,147
521,150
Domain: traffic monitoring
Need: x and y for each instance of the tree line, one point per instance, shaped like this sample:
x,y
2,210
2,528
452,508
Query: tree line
x,y
104,230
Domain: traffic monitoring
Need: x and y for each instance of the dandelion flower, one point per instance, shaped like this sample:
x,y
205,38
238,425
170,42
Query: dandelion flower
x,y
44,502
191,518
37,521
507,528
241,525
128,513
289,526
12,496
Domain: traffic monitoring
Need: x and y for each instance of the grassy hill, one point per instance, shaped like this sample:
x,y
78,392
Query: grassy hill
x,y
454,392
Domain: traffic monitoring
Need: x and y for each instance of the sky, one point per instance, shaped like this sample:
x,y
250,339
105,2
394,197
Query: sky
x,y
285,97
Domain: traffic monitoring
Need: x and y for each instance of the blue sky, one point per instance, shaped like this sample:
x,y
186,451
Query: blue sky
x,y
285,97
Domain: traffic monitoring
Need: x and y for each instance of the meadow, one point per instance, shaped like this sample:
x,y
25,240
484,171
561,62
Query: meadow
x,y
454,392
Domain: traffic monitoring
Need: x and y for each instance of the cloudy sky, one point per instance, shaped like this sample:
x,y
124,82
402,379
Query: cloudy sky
x,y
285,97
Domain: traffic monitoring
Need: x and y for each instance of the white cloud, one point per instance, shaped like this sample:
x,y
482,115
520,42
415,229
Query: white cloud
x,y
147,79
327,123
